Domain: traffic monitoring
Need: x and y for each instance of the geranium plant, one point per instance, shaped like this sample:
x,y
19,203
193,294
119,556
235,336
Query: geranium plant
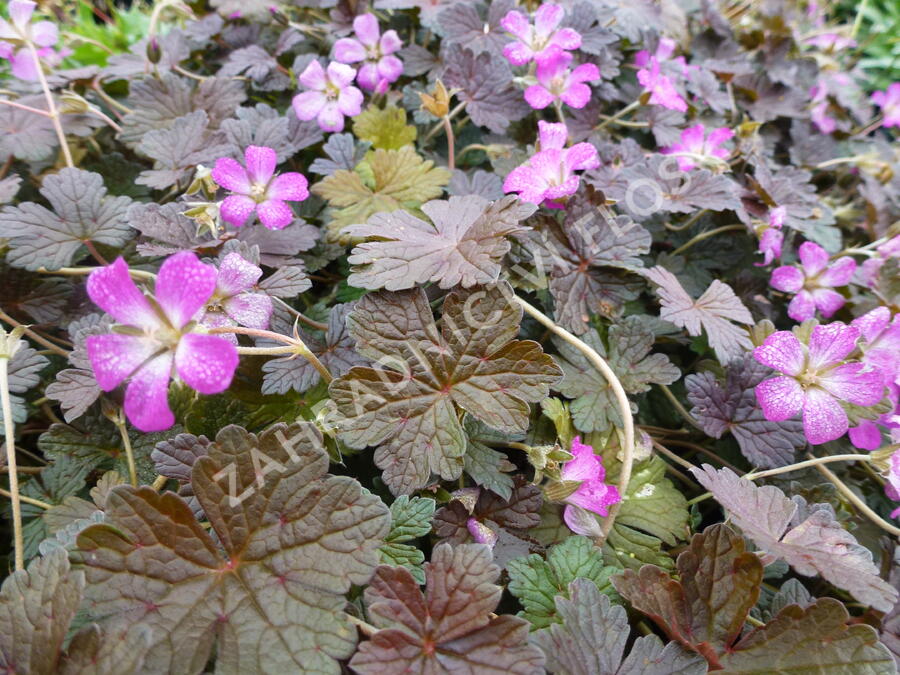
x,y
419,336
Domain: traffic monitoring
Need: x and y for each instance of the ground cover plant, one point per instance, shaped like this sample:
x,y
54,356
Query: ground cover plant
x,y
431,336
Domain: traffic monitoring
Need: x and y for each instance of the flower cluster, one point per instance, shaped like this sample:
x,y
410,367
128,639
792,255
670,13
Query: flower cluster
x,y
813,283
771,238
379,66
659,85
41,36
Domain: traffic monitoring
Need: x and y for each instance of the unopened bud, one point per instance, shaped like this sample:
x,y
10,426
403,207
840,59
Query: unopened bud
x,y
279,16
558,492
73,104
154,52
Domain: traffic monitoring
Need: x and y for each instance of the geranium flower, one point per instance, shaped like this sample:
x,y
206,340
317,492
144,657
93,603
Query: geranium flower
x,y
889,102
557,82
892,489
815,378
871,267
696,143
830,42
662,90
332,95
481,533
43,34
593,494
380,68
813,282
256,191
233,302
549,175
772,238
535,40
155,335
881,342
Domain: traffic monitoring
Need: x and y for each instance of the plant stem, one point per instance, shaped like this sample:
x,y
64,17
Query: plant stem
x,y
83,271
34,336
671,455
854,499
129,453
295,346
367,629
621,399
686,224
302,317
615,118
451,151
27,500
706,235
10,442
680,408
95,254
26,108
440,125
159,483
53,113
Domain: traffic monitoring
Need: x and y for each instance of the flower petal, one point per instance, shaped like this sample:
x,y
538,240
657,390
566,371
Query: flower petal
x,y
330,118
595,496
308,104
114,357
517,23
183,286
787,278
839,272
349,102
538,97
783,352
261,162
390,68
253,310
526,181
576,95
44,33
854,382
20,12
566,38
236,209
236,275
552,135
581,522
146,398
582,156
813,257
368,77
517,53
827,301
289,186
831,344
547,18
823,417
780,398
340,74
366,28
390,42
586,72
275,214
348,50
584,465
229,174
206,363
112,290
313,76
866,436
802,307
872,323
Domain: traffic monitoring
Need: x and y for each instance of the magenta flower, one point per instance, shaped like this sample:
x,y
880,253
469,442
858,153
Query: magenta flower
x,y
867,434
820,102
557,82
256,191
593,494
481,533
813,282
233,302
830,42
889,102
43,34
549,175
380,68
662,90
772,238
870,268
881,342
815,378
534,40
156,335
892,489
697,144
332,95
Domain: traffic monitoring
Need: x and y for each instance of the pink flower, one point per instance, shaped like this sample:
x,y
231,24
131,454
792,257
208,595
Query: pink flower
x,y
256,191
771,238
42,34
696,144
889,102
331,96
892,489
813,282
549,175
871,267
380,68
831,42
662,89
557,82
233,302
535,40
481,533
815,379
593,494
157,335
881,342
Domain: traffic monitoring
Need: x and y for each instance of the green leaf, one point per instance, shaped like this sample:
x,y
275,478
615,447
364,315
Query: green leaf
x,y
652,503
537,582
267,594
405,556
558,413
384,128
410,519
629,548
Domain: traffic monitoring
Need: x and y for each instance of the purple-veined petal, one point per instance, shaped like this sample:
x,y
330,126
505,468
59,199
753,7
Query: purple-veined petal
x,y
538,97
367,77
518,53
780,398
275,214
390,42
802,306
831,344
44,33
183,285
253,310
112,290
595,496
866,436
526,181
348,50
313,77
872,323
366,28
261,162
719,136
839,272
349,102
552,64
114,357
827,301
236,209
783,352
787,278
552,135
236,275
813,257
229,174
582,156
146,397
517,23
568,187
823,417
576,95
854,382
308,104
291,186
206,363
547,18
581,522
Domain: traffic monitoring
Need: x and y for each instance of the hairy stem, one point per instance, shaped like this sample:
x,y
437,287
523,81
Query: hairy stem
x,y
365,628
51,105
129,453
294,346
302,317
621,399
440,125
10,442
